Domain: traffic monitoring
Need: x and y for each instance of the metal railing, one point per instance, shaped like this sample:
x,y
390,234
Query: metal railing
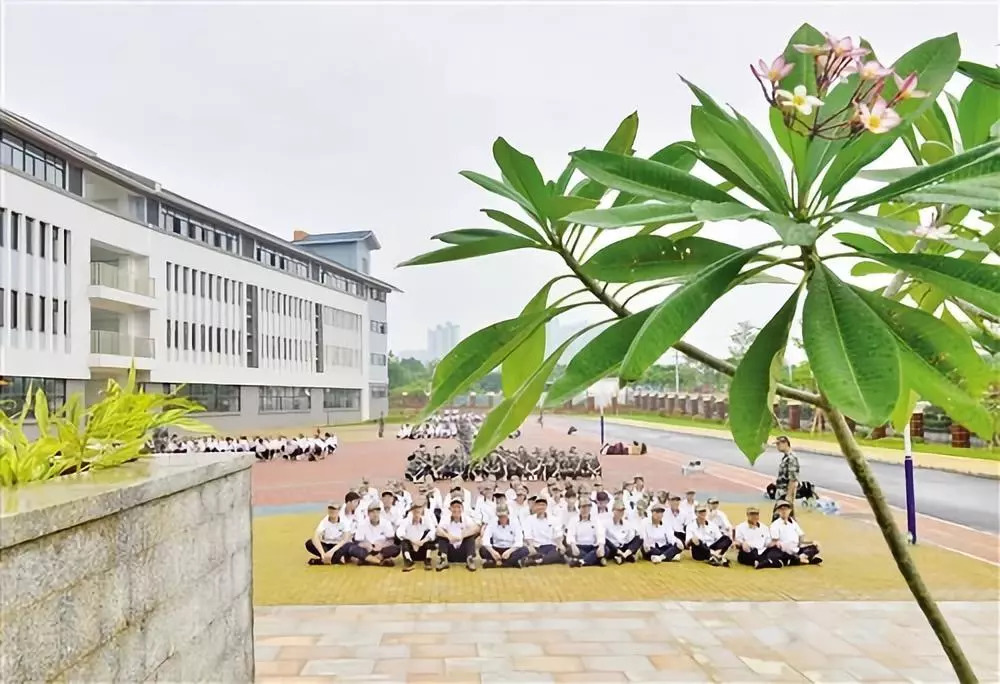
x,y
111,276
117,344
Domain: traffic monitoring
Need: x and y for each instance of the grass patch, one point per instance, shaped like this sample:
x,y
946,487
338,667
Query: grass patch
x,y
983,453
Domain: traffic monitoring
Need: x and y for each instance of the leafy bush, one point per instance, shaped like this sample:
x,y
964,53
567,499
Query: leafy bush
x,y
75,438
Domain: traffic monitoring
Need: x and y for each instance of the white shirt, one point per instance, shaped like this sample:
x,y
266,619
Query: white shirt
x,y
708,534
416,531
330,532
375,534
394,515
756,537
503,536
720,519
688,508
585,532
543,531
621,533
657,535
604,516
456,528
520,511
787,534
678,522
356,517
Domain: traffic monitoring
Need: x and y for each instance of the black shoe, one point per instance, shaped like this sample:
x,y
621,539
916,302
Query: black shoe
x,y
489,563
442,564
522,562
427,565
387,563
315,561
470,564
407,566
815,560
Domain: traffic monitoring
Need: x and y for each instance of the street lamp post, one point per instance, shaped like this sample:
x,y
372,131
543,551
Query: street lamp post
x,y
911,503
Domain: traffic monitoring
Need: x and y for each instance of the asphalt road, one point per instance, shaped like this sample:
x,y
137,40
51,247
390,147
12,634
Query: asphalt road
x,y
964,499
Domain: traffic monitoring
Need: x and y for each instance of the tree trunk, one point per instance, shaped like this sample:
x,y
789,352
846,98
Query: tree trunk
x,y
898,547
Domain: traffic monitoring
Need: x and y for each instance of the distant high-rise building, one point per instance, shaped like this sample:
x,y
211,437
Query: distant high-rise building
x,y
442,339
556,333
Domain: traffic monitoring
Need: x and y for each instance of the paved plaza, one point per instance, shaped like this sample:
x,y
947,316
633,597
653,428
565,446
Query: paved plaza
x,y
851,619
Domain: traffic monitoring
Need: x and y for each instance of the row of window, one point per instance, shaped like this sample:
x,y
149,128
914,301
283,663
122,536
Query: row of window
x,y
30,312
181,223
379,391
286,305
34,161
334,398
200,337
205,285
22,234
379,327
285,348
284,399
342,356
274,259
13,390
215,398
339,318
379,360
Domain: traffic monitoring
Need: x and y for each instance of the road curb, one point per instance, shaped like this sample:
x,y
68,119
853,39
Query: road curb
x,y
663,427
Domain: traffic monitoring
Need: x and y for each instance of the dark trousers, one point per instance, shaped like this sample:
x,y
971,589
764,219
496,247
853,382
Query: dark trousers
x,y
361,554
628,550
668,551
412,554
548,554
807,550
681,536
465,551
703,551
770,558
509,562
337,555
588,554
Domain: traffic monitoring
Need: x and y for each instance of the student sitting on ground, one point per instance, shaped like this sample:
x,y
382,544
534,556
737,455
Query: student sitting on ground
x,y
585,538
332,539
621,538
374,540
543,535
456,537
503,541
754,544
706,541
416,536
658,540
791,539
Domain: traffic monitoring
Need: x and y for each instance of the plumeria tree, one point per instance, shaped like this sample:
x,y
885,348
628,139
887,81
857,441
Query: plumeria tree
x,y
833,110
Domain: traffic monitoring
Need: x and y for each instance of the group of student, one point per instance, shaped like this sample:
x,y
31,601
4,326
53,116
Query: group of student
x,y
299,448
501,464
439,426
564,523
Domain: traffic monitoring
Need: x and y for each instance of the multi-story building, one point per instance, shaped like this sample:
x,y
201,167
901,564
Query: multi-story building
x,y
441,339
102,269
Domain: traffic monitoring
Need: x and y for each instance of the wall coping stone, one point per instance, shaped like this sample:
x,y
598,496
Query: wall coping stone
x,y
36,509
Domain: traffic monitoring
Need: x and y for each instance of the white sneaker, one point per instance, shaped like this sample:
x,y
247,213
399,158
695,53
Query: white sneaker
x,y
656,559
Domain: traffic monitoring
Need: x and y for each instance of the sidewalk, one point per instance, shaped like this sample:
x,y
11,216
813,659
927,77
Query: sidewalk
x,y
955,464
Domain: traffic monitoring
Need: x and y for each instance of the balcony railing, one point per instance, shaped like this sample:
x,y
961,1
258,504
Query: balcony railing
x,y
111,276
107,342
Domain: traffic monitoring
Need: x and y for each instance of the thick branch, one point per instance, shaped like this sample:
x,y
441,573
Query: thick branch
x,y
688,350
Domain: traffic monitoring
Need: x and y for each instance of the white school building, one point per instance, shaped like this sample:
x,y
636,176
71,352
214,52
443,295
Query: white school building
x,y
101,268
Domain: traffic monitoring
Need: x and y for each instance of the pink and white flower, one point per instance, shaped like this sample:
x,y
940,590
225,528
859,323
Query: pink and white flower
x,y
931,232
879,118
872,71
799,99
844,47
778,70
844,69
908,87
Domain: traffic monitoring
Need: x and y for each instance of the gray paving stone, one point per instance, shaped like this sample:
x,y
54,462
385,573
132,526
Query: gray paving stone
x,y
339,667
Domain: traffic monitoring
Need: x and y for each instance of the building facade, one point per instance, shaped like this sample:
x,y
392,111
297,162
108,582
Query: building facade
x,y
441,339
101,269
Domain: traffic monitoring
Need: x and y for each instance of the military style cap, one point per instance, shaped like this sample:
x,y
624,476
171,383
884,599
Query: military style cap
x,y
585,501
658,507
675,497
502,510
374,506
619,505
782,503
456,501
713,500
700,507
333,505
752,509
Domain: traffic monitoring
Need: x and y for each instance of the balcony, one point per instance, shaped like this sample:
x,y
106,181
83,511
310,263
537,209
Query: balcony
x,y
116,289
109,349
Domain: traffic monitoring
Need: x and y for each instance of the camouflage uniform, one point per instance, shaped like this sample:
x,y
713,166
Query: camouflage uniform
x,y
788,470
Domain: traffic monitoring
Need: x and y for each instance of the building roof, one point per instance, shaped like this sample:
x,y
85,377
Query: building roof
x,y
366,236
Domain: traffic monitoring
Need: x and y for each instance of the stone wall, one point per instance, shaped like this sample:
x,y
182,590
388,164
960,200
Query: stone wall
x,y
129,574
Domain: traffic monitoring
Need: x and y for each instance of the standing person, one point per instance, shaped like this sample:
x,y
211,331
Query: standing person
x,y
331,540
541,419
456,537
706,541
787,482
416,535
754,544
381,425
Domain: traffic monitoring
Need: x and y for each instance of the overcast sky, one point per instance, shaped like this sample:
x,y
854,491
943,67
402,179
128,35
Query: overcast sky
x,y
344,117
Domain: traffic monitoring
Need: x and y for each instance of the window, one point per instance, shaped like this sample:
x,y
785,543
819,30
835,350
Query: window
x,y
29,311
341,398
184,281
169,329
170,277
13,309
378,327
339,318
202,327
379,391
12,394
276,399
3,307
34,161
43,238
55,316
185,336
215,398
29,235
15,229
379,359
66,246
55,243
42,314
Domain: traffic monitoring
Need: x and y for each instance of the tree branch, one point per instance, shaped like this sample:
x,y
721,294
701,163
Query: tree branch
x,y
689,350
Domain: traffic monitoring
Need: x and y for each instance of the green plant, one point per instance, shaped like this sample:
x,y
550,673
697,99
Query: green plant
x,y
833,110
74,439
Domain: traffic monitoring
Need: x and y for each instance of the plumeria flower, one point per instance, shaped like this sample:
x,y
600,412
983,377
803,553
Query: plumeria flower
x,y
872,71
845,69
879,118
844,47
908,87
799,99
931,232
778,70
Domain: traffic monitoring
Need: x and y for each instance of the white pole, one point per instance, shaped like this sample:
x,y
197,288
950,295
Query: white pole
x,y
677,372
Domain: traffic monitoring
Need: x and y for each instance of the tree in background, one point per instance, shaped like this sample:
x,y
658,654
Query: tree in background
x,y
833,110
741,339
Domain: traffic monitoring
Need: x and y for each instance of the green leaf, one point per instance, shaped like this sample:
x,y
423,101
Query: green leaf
x,y
598,359
911,230
934,387
498,188
934,126
934,63
751,394
851,352
944,347
645,178
982,194
981,73
863,268
559,206
651,257
523,175
722,211
904,406
888,175
634,215
862,243
524,360
933,152
465,235
469,250
682,308
515,224
978,110
792,232
969,161
680,155
623,138
976,283
794,144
